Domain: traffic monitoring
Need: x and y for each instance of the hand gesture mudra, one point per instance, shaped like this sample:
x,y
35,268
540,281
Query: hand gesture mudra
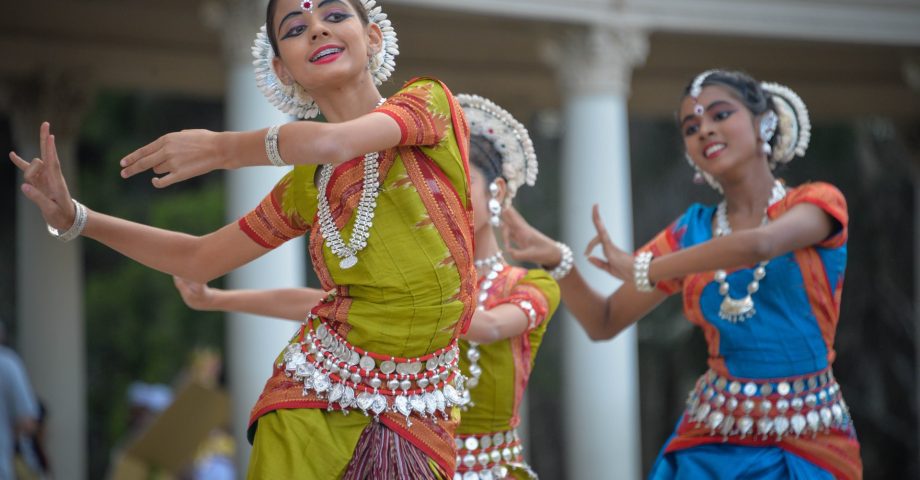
x,y
527,244
616,261
175,157
44,182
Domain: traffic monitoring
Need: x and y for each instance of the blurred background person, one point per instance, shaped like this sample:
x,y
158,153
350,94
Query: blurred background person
x,y
19,417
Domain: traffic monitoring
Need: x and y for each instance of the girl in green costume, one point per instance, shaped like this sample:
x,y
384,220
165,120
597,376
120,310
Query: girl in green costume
x,y
383,190
513,304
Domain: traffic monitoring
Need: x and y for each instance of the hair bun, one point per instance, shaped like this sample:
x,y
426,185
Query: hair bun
x,y
794,130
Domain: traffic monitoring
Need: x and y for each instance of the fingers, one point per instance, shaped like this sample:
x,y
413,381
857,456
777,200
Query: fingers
x,y
597,262
593,243
144,163
33,171
21,164
142,155
45,204
166,180
599,223
43,131
50,154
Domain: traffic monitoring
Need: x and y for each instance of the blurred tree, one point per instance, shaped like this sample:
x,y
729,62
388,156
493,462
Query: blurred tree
x,y
137,326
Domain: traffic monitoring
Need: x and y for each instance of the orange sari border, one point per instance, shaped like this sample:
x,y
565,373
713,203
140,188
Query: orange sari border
x,y
434,436
836,451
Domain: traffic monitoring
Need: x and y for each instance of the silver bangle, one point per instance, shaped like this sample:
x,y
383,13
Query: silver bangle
x,y
565,265
271,147
640,271
79,223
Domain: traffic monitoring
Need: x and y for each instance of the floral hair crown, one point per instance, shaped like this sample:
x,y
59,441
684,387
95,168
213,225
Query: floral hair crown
x,y
293,99
509,136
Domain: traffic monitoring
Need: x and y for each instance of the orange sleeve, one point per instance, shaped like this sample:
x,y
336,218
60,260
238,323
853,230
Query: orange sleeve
x,y
270,224
419,111
829,199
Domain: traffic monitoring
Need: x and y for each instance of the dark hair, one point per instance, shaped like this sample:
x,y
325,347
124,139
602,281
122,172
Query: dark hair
x,y
270,20
485,157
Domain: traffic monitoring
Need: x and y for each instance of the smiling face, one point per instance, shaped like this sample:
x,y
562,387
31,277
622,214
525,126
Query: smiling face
x,y
722,138
326,47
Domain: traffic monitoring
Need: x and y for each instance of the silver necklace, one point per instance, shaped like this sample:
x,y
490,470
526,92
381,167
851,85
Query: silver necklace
x,y
488,262
737,310
472,353
364,219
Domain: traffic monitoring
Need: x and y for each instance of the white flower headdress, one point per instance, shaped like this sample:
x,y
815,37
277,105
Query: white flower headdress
x,y
794,129
293,99
510,138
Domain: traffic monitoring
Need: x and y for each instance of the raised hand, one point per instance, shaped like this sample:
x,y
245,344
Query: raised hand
x,y
197,296
615,262
176,157
44,182
525,243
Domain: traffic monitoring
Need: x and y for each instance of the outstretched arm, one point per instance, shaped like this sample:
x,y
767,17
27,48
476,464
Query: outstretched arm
x,y
289,303
200,258
803,225
182,155
601,316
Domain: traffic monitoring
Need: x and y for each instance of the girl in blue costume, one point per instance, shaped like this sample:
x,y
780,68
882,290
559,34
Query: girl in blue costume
x,y
761,273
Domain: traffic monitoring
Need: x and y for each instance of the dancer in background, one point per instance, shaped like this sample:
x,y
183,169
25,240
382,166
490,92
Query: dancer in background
x,y
514,304
383,189
761,273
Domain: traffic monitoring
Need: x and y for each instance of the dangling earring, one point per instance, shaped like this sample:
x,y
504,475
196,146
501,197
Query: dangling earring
x,y
495,207
697,174
768,124
700,176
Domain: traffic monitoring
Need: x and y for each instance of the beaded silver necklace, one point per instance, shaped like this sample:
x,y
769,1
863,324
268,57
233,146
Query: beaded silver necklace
x,y
488,262
737,310
495,264
364,219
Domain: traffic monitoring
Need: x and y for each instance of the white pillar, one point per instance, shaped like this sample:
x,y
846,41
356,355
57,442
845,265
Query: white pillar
x,y
252,342
49,275
601,379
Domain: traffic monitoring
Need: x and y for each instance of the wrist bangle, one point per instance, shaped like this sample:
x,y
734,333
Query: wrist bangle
x,y
79,223
640,272
565,265
271,147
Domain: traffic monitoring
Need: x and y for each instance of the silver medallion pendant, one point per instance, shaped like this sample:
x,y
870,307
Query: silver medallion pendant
x,y
348,262
736,310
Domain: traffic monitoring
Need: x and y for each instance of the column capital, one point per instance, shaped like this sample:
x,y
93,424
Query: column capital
x,y
237,22
600,59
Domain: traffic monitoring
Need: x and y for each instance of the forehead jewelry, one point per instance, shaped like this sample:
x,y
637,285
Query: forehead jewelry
x,y
293,99
696,87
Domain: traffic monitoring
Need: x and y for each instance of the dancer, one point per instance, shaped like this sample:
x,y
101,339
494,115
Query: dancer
x,y
391,235
761,273
514,304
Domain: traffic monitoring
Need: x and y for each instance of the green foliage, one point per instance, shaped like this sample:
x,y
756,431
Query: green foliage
x,y
138,329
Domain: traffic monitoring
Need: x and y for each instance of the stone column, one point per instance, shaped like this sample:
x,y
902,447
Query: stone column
x,y
49,274
252,342
601,398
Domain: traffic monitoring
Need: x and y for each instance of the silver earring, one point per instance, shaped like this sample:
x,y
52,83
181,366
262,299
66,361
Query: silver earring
x,y
697,174
495,207
768,124
700,177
